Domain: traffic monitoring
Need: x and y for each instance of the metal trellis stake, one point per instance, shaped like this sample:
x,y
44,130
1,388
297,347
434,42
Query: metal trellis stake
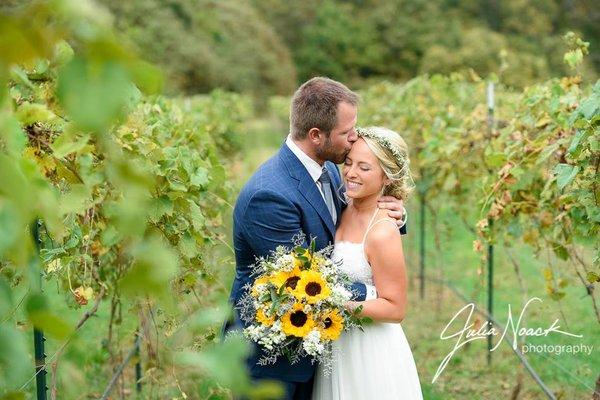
x,y
138,363
422,248
38,335
490,259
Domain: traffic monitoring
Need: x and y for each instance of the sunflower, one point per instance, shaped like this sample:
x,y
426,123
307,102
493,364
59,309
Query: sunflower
x,y
296,322
262,317
331,325
289,279
311,287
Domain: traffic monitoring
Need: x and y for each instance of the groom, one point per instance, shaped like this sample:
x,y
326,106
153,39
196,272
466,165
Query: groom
x,y
298,190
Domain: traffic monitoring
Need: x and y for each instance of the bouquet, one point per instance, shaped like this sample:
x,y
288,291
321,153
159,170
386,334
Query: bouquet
x,y
295,307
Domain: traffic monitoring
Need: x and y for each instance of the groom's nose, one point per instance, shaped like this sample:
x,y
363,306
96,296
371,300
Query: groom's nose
x,y
353,136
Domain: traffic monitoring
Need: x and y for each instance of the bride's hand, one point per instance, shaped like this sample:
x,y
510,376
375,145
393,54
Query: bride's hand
x,y
351,305
395,208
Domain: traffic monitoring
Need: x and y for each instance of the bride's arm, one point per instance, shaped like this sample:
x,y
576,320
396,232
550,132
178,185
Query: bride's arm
x,y
383,249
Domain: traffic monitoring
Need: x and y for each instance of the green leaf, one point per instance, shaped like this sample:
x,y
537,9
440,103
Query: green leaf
x,y
28,113
160,206
188,247
94,95
63,53
223,361
14,357
19,75
592,277
576,141
42,318
177,186
565,173
573,58
69,142
147,77
77,200
208,317
547,152
154,265
110,236
560,250
198,220
495,159
15,185
10,226
555,295
12,134
200,177
590,107
6,301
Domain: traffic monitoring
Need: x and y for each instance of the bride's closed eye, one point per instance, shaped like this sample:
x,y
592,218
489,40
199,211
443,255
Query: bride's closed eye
x,y
362,166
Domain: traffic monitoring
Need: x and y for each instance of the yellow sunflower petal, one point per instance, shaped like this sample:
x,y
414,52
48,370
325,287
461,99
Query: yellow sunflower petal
x,y
297,323
262,318
312,287
289,279
331,325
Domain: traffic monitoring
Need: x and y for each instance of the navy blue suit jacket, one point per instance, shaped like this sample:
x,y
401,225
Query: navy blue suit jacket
x,y
279,201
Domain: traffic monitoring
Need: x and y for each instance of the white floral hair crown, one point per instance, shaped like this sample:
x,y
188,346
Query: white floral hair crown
x,y
384,142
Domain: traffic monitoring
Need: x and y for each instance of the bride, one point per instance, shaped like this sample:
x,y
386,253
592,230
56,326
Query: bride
x,y
376,363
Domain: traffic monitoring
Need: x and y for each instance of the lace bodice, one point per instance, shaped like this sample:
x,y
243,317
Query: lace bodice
x,y
353,261
352,255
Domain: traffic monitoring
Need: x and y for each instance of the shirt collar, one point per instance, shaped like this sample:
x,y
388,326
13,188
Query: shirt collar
x,y
313,167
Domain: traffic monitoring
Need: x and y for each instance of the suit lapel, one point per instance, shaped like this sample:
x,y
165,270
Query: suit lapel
x,y
307,187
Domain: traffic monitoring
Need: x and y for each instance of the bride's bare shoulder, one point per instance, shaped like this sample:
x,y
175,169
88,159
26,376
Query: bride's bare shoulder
x,y
383,229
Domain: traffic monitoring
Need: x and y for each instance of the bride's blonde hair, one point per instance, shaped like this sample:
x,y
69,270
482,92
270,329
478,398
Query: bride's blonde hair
x,y
392,152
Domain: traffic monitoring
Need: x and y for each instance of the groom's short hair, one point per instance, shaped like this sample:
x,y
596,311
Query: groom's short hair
x,y
315,103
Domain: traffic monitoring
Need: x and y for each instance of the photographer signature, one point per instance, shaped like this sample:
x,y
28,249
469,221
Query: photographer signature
x,y
468,334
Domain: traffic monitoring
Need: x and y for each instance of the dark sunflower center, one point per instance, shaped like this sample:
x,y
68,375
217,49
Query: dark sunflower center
x,y
328,322
298,318
292,282
313,288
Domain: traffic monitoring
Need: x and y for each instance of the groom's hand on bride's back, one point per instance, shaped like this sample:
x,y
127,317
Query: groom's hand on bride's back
x,y
395,209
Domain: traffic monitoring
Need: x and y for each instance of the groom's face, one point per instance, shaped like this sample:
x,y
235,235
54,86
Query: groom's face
x,y
342,136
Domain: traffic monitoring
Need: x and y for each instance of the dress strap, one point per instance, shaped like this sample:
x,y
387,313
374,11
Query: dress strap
x,y
372,224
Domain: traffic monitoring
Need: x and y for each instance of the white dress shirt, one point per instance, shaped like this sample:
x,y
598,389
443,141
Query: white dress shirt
x,y
315,171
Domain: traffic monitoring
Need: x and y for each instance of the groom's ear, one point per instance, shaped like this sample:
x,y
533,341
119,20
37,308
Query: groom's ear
x,y
316,135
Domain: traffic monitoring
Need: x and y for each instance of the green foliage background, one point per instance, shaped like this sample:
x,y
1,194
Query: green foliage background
x,y
269,46
132,190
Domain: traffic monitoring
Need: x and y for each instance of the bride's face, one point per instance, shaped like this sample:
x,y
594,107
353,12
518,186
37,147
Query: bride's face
x,y
363,175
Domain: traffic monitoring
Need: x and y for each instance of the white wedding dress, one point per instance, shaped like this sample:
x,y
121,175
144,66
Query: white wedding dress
x,y
374,364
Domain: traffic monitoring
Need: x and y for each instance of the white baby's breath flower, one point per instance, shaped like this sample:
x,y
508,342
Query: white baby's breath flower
x,y
277,326
342,292
286,262
312,343
254,332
